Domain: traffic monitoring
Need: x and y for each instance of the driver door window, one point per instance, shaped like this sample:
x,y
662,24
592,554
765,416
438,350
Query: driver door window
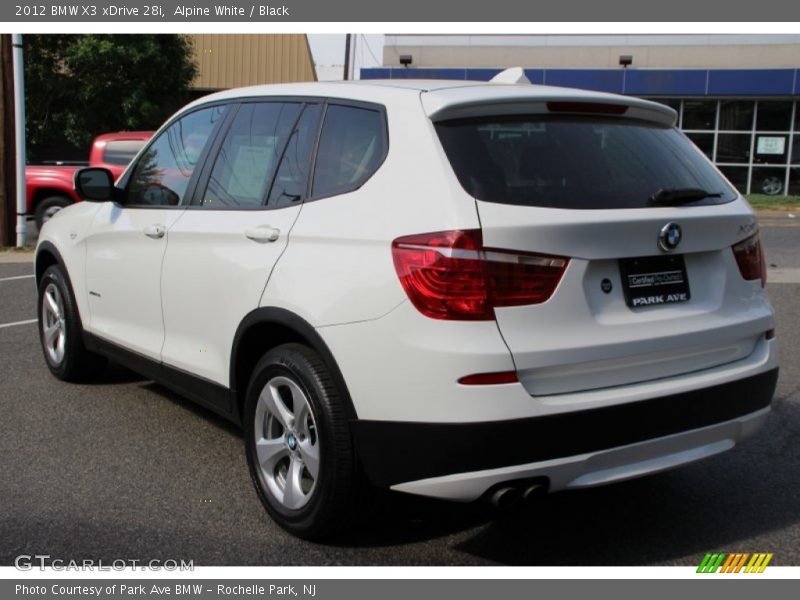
x,y
162,174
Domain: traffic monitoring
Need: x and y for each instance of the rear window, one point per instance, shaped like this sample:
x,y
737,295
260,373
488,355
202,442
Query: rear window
x,y
576,162
121,152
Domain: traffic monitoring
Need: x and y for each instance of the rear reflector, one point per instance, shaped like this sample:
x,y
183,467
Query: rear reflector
x,y
594,108
750,258
489,378
450,275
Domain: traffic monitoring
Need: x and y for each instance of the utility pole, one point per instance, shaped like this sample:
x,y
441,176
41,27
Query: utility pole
x,y
8,205
347,57
19,138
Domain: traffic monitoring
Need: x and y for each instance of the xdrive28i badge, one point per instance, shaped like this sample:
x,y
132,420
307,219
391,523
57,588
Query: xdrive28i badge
x,y
669,237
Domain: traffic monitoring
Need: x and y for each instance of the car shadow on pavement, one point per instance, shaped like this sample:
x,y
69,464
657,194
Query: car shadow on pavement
x,y
192,407
114,373
669,518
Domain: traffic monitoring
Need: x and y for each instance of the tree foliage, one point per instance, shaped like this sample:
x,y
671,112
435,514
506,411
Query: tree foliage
x,y
79,86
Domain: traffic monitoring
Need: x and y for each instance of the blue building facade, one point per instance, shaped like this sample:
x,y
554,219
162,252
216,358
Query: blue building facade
x,y
745,120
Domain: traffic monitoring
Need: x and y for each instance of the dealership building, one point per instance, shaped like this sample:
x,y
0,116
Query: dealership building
x,y
737,96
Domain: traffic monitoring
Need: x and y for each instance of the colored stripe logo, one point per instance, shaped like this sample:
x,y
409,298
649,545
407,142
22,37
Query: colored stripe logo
x,y
736,562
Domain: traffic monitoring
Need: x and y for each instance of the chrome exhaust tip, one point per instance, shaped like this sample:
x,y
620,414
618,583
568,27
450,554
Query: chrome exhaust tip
x,y
504,497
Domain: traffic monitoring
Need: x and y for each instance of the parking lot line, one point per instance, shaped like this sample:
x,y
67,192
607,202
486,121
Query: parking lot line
x,y
781,275
14,324
17,277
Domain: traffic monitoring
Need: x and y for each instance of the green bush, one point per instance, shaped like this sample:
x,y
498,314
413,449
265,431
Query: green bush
x,y
78,86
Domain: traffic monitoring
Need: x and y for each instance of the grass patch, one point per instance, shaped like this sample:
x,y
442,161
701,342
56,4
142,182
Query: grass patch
x,y
774,202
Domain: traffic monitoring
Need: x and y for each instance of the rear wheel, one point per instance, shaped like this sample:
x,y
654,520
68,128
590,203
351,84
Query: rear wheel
x,y
49,207
298,443
60,330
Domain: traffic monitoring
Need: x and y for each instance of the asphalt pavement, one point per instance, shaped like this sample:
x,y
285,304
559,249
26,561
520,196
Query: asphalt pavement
x,y
124,469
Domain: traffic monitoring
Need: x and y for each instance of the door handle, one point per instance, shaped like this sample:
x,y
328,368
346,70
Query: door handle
x,y
263,233
155,231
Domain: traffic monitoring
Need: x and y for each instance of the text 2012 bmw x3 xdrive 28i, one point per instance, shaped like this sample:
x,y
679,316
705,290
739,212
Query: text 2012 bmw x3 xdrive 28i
x,y
449,289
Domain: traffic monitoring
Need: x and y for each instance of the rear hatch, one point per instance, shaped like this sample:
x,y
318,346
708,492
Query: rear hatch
x,y
646,224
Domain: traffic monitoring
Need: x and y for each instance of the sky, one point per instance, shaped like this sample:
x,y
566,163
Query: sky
x,y
328,52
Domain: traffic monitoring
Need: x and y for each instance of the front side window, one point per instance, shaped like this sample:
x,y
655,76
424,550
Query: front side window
x,y
162,173
352,146
245,164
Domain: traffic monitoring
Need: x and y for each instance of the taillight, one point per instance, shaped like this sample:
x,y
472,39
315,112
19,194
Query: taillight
x,y
750,258
450,275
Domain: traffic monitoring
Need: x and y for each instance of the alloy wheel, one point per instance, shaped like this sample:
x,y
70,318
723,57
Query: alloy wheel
x,y
287,442
54,327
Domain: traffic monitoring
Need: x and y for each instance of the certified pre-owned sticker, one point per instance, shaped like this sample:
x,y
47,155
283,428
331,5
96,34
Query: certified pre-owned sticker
x,y
651,279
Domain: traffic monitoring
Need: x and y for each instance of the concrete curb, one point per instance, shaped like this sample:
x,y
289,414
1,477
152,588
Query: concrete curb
x,y
7,258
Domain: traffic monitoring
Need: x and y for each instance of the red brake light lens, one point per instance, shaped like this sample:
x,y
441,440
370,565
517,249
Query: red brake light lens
x,y
750,258
450,275
587,107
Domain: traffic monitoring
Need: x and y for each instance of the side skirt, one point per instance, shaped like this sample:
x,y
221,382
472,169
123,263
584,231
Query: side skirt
x,y
208,394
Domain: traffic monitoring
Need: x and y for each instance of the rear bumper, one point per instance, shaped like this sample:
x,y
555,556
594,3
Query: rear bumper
x,y
460,461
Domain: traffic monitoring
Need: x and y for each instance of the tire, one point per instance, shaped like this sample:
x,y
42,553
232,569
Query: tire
x,y
288,381
48,207
60,330
771,186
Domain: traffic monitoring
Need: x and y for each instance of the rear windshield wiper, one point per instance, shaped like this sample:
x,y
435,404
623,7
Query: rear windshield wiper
x,y
673,196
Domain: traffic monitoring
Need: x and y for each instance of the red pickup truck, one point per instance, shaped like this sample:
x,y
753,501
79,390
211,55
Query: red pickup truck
x,y
51,188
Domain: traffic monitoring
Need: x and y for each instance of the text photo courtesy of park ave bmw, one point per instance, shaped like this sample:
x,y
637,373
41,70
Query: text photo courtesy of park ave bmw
x,y
276,295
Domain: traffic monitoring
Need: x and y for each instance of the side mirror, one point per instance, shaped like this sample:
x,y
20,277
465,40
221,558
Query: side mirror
x,y
94,184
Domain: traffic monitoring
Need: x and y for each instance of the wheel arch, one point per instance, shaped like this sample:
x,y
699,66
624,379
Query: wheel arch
x,y
48,255
264,329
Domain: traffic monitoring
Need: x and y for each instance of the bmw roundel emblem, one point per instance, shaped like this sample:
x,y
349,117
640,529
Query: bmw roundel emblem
x,y
669,237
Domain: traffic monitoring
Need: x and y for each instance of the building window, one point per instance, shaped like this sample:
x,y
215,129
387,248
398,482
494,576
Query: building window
x,y
704,141
753,142
733,148
768,180
699,114
737,176
736,115
774,115
794,181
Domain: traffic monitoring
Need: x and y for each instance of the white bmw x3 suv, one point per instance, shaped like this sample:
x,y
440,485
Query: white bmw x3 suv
x,y
452,289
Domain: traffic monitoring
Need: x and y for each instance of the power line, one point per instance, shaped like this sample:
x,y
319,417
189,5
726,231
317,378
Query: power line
x,y
369,49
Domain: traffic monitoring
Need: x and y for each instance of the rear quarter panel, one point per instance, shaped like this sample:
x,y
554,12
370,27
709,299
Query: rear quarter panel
x,y
338,267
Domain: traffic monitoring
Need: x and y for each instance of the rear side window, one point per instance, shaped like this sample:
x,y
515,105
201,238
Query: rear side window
x,y
289,185
352,146
246,161
575,162
121,152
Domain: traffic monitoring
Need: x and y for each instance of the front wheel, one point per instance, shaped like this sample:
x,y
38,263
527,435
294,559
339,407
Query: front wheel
x,y
299,448
60,330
